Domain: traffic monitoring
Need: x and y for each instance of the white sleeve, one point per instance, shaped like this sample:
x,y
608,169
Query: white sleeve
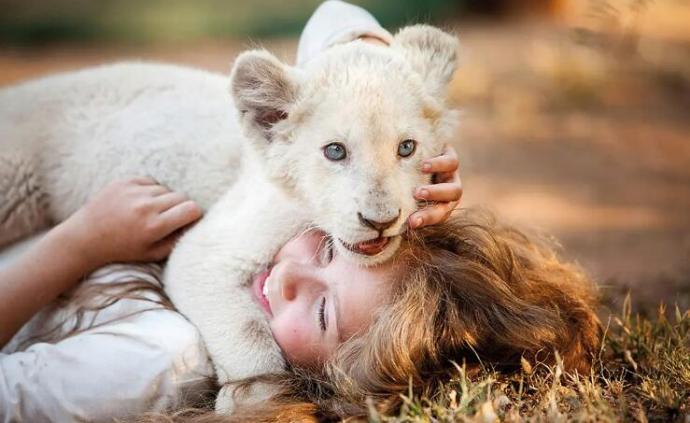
x,y
122,369
335,22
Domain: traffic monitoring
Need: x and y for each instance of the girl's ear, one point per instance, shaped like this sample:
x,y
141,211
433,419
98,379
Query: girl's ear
x,y
263,89
431,52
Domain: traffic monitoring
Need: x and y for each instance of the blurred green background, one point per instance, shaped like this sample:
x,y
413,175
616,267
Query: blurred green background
x,y
41,21
37,21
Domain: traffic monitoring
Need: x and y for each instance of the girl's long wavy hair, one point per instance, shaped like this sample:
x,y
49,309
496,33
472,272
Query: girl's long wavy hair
x,y
470,290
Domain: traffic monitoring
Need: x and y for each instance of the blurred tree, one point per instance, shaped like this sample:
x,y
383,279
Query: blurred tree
x,y
39,21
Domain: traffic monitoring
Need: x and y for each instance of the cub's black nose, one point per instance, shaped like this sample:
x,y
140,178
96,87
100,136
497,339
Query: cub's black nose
x,y
375,225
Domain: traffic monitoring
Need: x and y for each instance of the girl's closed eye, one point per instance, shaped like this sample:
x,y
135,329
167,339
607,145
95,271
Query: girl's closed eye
x,y
322,314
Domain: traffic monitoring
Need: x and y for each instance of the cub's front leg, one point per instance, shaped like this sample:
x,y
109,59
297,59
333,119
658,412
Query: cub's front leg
x,y
209,276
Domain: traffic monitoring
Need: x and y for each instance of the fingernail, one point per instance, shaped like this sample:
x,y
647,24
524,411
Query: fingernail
x,y
426,166
423,193
418,222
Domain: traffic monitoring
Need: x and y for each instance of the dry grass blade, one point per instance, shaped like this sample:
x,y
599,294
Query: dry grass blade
x,y
642,374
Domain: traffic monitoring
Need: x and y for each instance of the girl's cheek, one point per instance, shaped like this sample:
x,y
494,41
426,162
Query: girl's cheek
x,y
285,334
293,339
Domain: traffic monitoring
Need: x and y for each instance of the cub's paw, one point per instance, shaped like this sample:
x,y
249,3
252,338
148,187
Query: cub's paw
x,y
233,396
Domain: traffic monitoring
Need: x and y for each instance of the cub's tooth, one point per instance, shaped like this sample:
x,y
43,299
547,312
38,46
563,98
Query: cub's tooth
x,y
265,289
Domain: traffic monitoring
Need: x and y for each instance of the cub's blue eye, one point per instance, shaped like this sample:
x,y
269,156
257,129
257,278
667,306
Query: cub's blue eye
x,y
335,151
407,148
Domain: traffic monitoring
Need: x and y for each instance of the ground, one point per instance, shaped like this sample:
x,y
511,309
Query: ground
x,y
642,374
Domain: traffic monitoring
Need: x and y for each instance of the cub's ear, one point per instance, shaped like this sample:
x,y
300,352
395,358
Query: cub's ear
x,y
431,52
263,89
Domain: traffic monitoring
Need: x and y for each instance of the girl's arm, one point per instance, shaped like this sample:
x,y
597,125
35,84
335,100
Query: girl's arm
x,y
134,220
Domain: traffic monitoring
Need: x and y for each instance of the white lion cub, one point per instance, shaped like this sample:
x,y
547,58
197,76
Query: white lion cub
x,y
340,144
336,144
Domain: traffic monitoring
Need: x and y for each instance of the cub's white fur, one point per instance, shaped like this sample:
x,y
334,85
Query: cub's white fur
x,y
69,135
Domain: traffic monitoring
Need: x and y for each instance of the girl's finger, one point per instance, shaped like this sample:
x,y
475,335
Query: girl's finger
x,y
440,164
431,215
168,200
444,192
178,216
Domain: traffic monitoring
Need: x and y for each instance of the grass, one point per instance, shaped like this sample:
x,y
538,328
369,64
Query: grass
x,y
642,373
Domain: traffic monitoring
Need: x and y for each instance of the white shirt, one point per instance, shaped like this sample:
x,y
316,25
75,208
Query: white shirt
x,y
135,359
131,357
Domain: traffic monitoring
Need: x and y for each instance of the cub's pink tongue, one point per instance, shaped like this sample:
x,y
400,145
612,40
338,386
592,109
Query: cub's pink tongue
x,y
373,246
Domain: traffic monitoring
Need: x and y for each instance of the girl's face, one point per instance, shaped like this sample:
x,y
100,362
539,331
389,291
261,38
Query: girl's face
x,y
315,299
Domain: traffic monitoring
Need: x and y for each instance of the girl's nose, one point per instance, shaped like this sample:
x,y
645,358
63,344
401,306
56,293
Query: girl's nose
x,y
297,279
288,290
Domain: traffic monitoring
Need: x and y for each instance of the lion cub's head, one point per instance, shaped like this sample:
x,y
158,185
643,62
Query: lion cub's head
x,y
347,133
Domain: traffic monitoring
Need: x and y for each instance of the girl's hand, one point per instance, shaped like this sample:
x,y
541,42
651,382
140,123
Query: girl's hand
x,y
132,220
444,195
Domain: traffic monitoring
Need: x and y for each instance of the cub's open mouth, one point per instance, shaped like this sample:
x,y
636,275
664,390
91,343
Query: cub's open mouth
x,y
367,248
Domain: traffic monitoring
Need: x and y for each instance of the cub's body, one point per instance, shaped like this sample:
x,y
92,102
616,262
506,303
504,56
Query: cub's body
x,y
68,135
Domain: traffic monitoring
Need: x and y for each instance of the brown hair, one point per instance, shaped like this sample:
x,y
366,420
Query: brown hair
x,y
471,291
